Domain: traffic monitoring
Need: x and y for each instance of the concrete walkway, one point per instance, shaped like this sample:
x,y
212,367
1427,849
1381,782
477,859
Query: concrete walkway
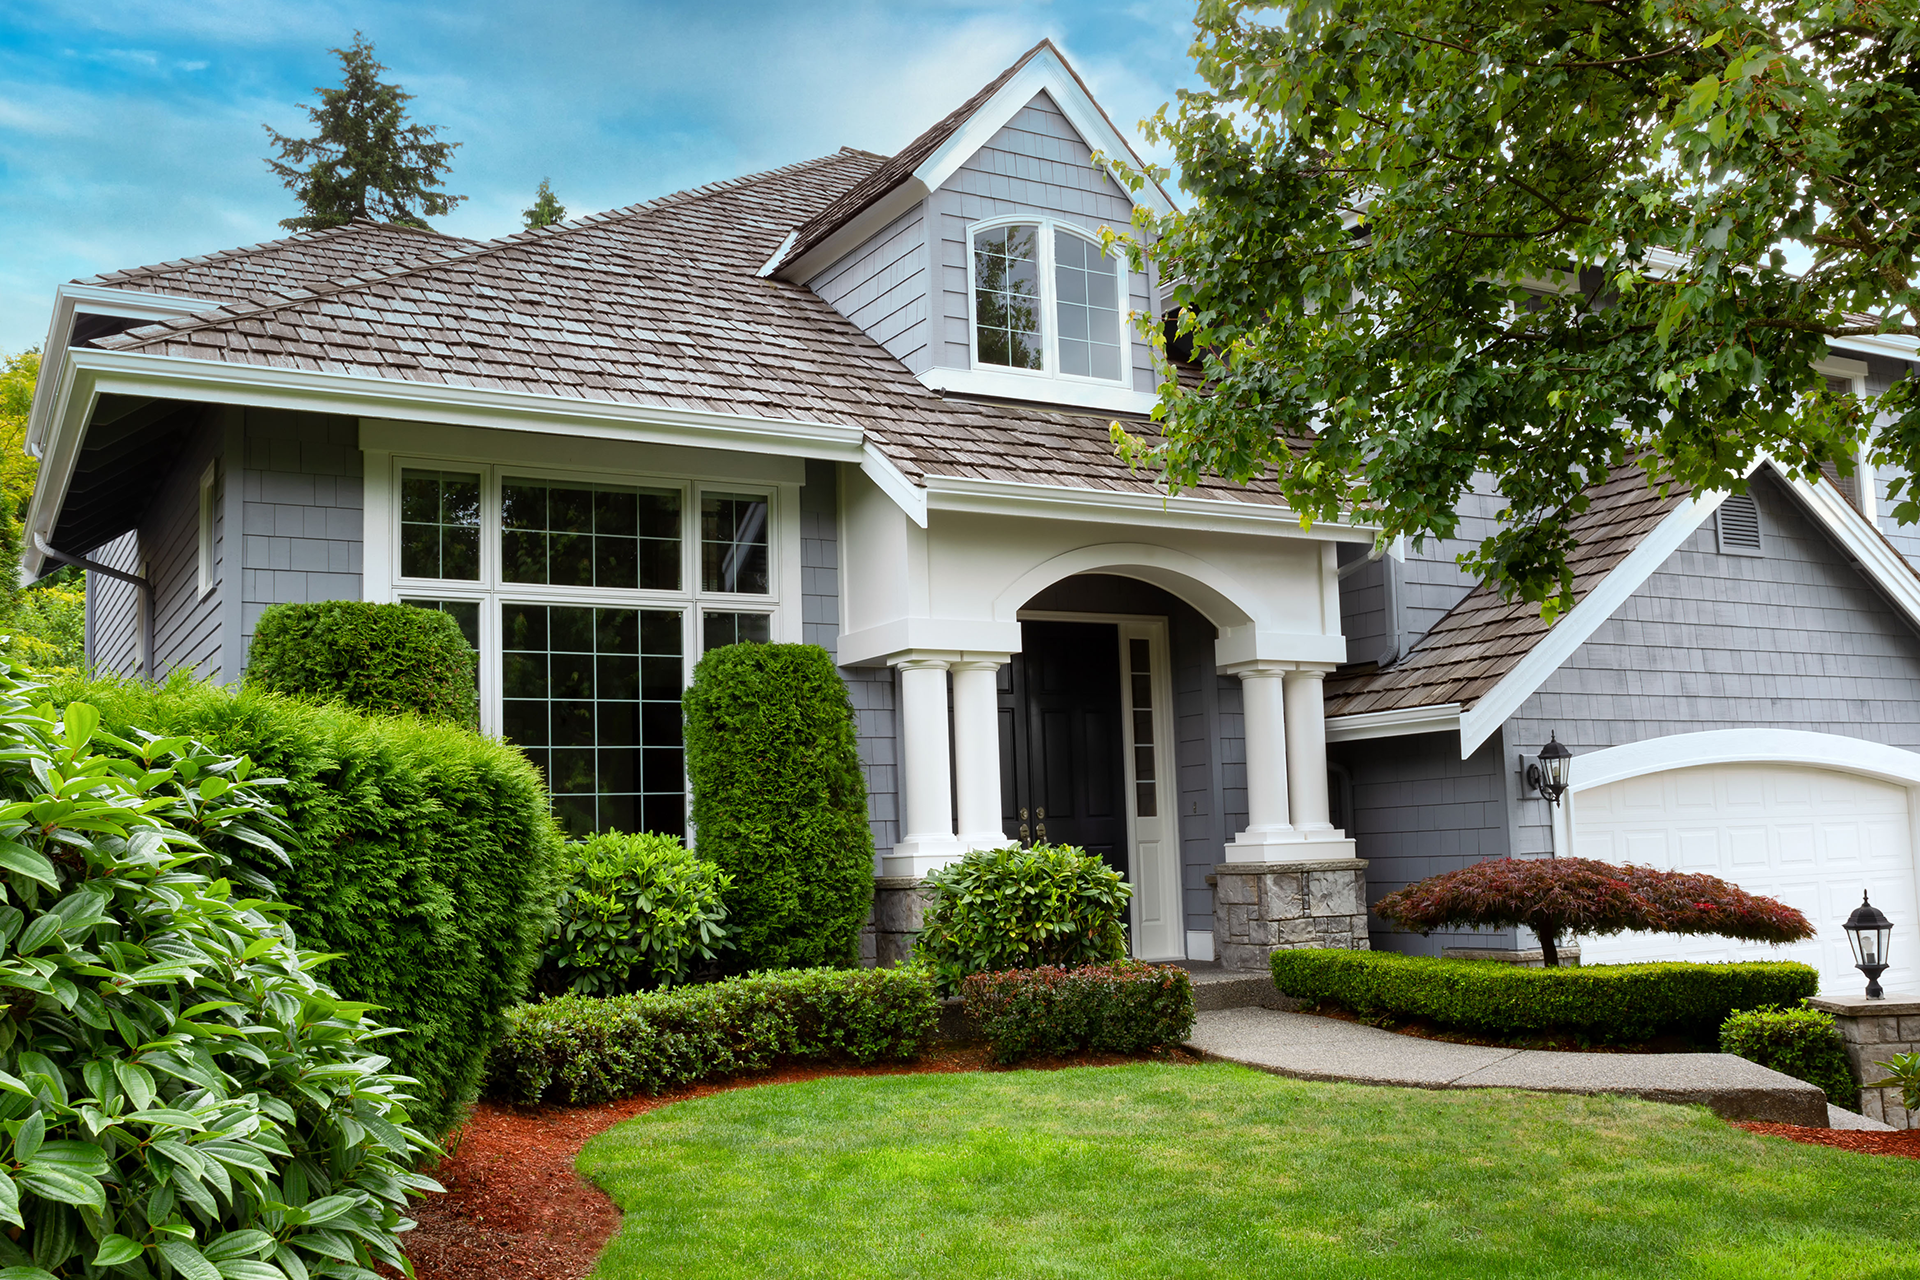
x,y
1312,1048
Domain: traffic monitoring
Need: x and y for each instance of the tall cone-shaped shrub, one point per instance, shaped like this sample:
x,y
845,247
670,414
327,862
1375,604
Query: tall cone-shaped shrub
x,y
779,802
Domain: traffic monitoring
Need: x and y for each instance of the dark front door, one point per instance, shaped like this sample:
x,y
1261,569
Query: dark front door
x,y
1062,772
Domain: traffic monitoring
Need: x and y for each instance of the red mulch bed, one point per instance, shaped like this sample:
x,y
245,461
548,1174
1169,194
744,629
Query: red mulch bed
x,y
515,1208
1904,1142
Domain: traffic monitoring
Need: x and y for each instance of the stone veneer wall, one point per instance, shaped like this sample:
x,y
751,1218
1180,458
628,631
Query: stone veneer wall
x,y
1263,907
1875,1030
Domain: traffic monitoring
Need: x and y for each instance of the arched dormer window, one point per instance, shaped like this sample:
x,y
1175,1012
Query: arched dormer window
x,y
1046,300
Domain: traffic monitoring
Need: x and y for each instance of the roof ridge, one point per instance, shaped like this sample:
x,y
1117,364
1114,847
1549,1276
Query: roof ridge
x,y
226,313
263,246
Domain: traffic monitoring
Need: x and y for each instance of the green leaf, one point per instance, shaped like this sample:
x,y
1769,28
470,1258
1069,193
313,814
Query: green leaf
x,y
238,1244
25,1273
15,856
62,1185
79,722
115,1250
10,1201
188,1261
248,1269
325,1209
33,1131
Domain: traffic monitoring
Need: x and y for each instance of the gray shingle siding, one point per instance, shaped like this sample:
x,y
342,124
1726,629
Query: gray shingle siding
x,y
1796,638
882,287
301,508
113,642
1036,164
1419,810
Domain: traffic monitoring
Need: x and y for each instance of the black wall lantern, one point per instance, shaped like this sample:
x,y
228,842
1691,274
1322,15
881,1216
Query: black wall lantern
x,y
1549,776
1868,931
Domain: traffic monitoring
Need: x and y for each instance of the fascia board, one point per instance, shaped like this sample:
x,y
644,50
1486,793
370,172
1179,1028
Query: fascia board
x,y
866,224
1871,551
1109,506
1898,346
1745,746
1044,71
1572,631
70,408
1039,389
891,481
94,299
1440,718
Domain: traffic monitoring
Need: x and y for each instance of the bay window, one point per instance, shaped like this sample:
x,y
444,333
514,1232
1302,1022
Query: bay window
x,y
589,599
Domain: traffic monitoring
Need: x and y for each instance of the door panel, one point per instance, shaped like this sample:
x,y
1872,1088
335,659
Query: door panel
x,y
1061,751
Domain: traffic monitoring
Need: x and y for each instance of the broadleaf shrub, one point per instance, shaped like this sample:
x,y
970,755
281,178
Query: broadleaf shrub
x,y
424,856
635,912
179,1094
1613,1002
388,659
1559,896
1112,1008
1018,908
779,802
582,1049
1802,1043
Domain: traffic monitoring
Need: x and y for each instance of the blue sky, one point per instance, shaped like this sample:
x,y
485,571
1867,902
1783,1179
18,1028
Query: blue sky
x,y
130,130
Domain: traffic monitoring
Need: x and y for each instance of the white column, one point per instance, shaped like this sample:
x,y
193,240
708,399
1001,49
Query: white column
x,y
1261,699
976,750
1307,752
926,787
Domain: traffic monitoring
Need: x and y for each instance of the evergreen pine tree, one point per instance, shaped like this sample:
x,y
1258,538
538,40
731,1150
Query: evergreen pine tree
x,y
546,210
365,161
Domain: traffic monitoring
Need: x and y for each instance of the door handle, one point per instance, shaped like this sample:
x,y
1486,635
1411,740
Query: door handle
x,y
1043,815
1043,833
1023,830
1023,815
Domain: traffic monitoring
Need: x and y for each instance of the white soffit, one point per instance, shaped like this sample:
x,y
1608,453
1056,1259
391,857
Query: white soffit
x,y
1439,718
1112,506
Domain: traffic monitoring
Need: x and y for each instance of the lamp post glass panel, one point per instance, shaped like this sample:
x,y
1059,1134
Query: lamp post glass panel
x,y
1549,776
1869,932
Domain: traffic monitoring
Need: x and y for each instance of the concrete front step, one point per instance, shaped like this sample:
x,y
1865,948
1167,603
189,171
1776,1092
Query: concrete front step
x,y
1310,1048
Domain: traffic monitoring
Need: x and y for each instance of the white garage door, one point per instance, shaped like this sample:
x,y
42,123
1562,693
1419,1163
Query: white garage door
x,y
1813,838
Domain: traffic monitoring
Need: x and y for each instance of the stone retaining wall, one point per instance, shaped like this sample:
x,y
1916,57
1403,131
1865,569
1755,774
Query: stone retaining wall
x,y
1263,907
1875,1030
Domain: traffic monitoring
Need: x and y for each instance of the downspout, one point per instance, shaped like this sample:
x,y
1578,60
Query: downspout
x,y
141,584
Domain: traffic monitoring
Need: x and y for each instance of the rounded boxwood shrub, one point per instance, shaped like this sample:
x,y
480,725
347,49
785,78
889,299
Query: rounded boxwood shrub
x,y
424,857
385,658
779,803
1018,908
1609,1002
1802,1043
635,912
179,1094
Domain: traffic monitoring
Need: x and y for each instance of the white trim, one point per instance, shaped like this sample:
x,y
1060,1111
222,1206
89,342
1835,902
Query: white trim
x,y
1049,377
1573,630
1745,746
1109,506
890,480
1899,346
1442,717
862,227
1039,388
1043,72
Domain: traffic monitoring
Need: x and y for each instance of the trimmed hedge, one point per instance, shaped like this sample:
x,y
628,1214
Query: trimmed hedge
x,y
1017,908
1617,1002
779,802
579,1049
424,856
635,913
388,659
1114,1008
1802,1043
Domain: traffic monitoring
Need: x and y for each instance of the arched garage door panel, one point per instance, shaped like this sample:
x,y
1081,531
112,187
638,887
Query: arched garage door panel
x,y
1814,838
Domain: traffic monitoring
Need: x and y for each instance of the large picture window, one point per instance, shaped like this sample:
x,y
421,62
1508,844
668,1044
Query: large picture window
x,y
589,600
1047,299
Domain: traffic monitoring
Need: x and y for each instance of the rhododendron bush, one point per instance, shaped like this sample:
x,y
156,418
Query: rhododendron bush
x,y
1557,897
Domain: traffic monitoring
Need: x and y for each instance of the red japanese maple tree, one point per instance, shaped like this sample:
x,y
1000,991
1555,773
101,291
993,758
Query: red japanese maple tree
x,y
1559,896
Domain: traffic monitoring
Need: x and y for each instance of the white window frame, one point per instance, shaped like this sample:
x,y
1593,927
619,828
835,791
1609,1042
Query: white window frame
x,y
1049,303
384,580
208,510
1865,485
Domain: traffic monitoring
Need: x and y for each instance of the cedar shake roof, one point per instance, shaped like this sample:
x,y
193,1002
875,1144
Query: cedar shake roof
x,y
657,304
279,269
1483,637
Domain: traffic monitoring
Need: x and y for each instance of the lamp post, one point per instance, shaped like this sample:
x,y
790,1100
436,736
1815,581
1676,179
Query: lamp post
x,y
1868,932
1549,776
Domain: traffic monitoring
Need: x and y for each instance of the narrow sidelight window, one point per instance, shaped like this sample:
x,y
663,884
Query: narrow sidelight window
x,y
439,525
1140,675
1006,296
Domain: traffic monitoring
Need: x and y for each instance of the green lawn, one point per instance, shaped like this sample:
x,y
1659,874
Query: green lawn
x,y
1167,1171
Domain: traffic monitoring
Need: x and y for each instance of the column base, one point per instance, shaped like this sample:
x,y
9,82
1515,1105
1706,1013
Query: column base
x,y
1873,1031
1260,907
899,908
917,855
1290,845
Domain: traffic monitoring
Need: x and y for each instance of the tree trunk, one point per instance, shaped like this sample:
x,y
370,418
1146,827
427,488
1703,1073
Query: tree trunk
x,y
1549,951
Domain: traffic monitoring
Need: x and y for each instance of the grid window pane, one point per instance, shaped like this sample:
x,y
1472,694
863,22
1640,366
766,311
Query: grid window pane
x,y
465,613
593,535
1087,283
733,543
593,698
1146,795
1006,296
718,629
439,525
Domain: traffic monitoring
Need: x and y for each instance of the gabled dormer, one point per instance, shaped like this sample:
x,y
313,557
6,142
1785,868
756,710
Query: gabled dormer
x,y
974,254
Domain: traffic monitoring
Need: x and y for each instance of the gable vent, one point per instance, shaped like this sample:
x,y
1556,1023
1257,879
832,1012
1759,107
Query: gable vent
x,y
1738,521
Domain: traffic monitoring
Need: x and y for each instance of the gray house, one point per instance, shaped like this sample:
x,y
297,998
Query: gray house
x,y
863,402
